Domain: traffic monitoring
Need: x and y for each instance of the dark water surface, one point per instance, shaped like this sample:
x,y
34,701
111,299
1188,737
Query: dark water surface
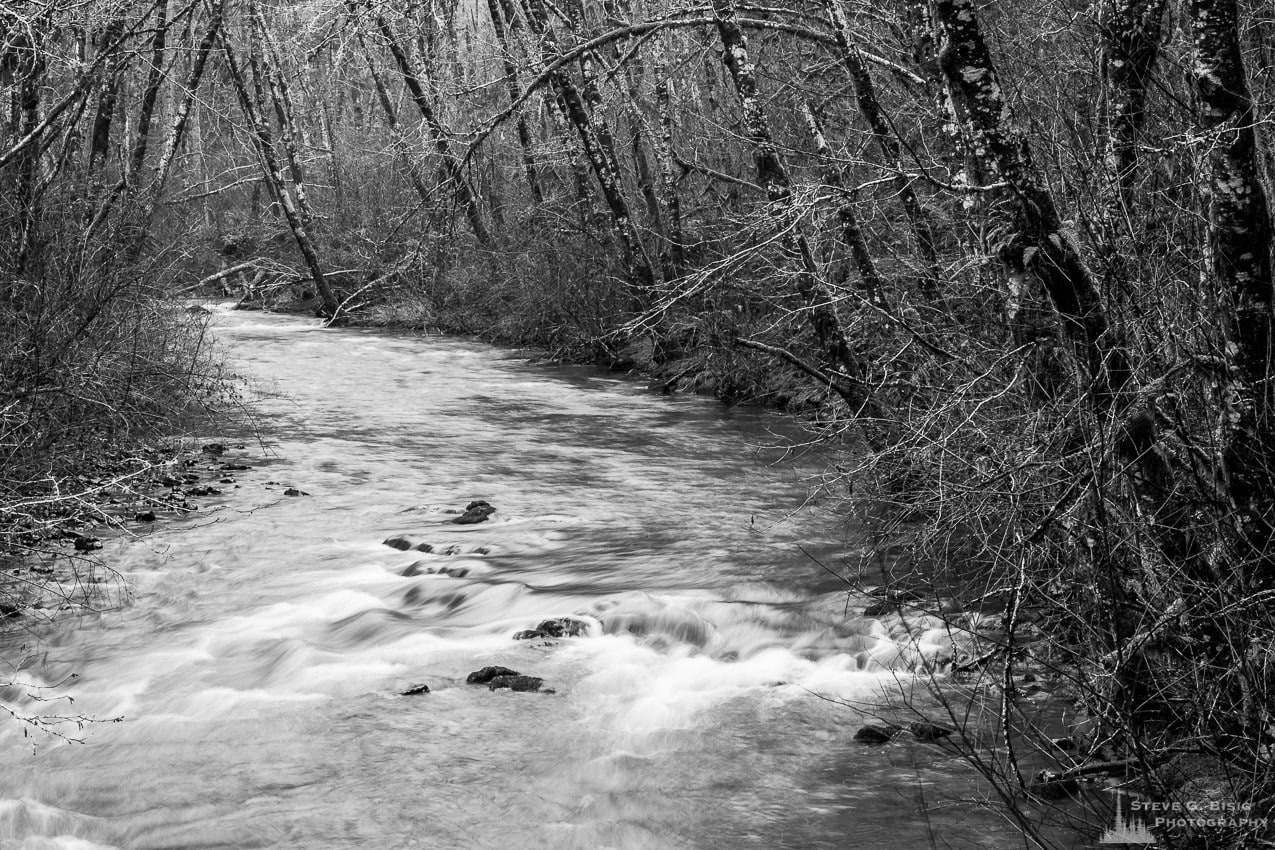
x,y
257,666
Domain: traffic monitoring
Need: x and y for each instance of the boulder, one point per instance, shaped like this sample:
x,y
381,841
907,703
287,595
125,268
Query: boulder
x,y
414,690
485,675
875,734
1051,786
924,731
476,511
556,628
516,683
422,547
87,544
400,543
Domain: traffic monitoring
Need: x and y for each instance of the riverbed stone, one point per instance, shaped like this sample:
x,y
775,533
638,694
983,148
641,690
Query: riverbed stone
x,y
400,543
145,516
924,731
414,569
414,690
485,675
475,512
872,734
423,547
556,628
516,683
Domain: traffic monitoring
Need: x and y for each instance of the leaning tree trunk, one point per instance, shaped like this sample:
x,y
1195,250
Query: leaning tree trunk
x,y
1035,243
851,232
870,109
529,166
1239,260
842,366
1131,33
668,181
466,196
599,154
273,172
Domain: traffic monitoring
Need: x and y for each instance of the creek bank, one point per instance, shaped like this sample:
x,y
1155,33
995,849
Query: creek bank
x,y
51,540
670,363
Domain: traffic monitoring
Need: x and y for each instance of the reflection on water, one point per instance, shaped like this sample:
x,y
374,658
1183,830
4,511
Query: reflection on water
x,y
256,674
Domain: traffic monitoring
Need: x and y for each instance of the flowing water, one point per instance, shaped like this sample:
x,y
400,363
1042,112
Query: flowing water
x,y
248,694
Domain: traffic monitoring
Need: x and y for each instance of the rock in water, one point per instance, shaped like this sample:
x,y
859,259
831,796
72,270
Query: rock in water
x,y
414,690
928,731
87,544
145,516
401,543
874,735
485,675
214,449
516,683
423,547
476,511
555,628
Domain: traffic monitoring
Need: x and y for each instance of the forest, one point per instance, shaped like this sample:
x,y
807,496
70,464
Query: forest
x,y
1013,259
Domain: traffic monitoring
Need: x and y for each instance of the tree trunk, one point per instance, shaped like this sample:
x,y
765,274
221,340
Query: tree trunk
x,y
1036,243
842,364
851,233
515,92
1239,260
870,109
668,180
273,172
1131,31
465,194
600,156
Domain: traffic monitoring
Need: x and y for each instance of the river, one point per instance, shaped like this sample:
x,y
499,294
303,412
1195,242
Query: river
x,y
247,693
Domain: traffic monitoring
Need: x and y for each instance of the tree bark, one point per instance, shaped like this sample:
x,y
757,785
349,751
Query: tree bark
x,y
465,194
273,172
1036,243
515,91
870,110
850,232
839,358
601,158
1239,260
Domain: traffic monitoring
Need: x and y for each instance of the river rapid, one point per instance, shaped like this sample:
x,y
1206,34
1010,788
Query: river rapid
x,y
247,693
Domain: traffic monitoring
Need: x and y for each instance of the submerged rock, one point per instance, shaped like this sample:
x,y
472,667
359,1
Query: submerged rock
x,y
293,491
401,543
924,731
419,568
875,734
555,628
516,683
422,547
485,675
145,516
214,449
414,690
476,511
87,544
